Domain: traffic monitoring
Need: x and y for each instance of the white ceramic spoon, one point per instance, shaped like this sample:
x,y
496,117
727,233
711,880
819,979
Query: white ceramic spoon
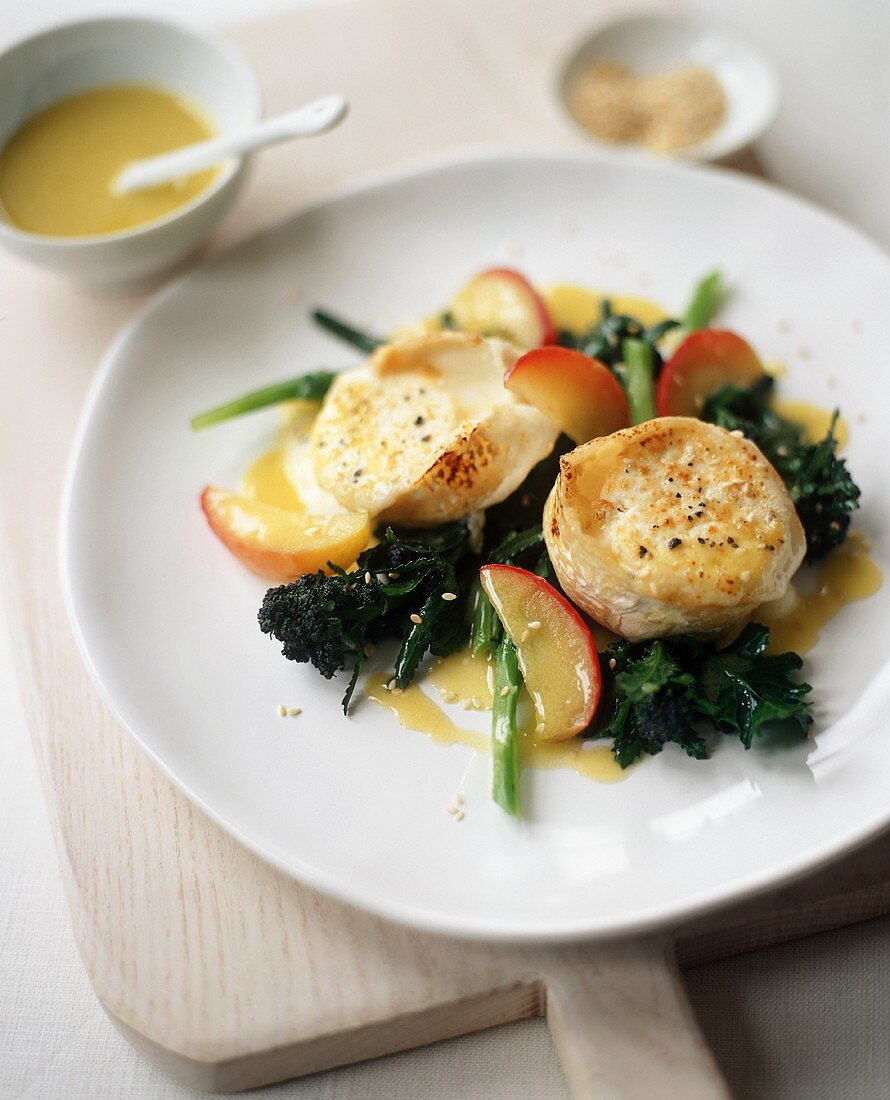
x,y
314,118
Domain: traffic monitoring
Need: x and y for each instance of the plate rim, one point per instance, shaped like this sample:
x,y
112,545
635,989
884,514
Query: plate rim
x,y
419,918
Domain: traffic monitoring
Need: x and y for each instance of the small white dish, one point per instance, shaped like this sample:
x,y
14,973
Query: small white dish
x,y
93,53
654,43
166,618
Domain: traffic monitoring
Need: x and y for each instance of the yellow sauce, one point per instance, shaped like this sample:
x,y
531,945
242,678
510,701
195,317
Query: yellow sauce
x,y
416,711
267,478
592,760
57,170
847,574
267,481
463,678
815,420
577,309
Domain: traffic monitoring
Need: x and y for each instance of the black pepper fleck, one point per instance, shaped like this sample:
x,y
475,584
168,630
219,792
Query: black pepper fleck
x,y
643,551
674,543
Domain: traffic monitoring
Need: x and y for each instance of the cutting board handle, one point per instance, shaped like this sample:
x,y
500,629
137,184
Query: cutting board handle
x,y
622,1025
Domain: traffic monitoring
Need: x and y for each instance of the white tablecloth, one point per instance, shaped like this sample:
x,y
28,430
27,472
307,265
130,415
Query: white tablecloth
x,y
807,1020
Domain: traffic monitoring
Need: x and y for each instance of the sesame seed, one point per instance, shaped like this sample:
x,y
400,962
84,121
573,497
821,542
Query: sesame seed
x,y
292,712
282,710
393,576
613,664
447,696
523,637
539,728
465,704
458,798
391,684
737,433
397,691
449,596
477,705
367,578
534,625
415,618
451,809
459,815
505,690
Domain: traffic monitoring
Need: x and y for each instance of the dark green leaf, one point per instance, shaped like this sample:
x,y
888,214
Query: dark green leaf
x,y
668,691
604,340
358,338
750,689
327,620
308,387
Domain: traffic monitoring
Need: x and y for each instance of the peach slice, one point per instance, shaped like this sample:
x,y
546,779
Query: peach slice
x,y
579,393
501,302
278,544
557,654
704,362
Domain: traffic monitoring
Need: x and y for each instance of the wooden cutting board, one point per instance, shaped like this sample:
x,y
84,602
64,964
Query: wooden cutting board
x,y
226,973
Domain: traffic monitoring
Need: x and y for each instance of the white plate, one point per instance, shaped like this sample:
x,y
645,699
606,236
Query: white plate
x,y
167,619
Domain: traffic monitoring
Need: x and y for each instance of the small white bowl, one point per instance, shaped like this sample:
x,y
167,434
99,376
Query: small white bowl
x,y
93,53
653,43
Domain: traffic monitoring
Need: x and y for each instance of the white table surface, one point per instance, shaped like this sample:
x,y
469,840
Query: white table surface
x,y
806,1020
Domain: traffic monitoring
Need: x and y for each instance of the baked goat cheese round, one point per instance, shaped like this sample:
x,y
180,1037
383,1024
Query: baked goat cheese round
x,y
669,527
424,432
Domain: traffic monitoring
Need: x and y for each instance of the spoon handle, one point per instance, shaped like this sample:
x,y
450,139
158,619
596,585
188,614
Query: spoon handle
x,y
313,118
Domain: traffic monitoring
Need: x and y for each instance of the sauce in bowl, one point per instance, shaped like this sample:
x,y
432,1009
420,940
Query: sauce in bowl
x,y
57,171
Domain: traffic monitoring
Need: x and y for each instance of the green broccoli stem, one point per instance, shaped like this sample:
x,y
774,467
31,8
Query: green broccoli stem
x,y
506,765
706,299
484,626
308,387
638,378
349,334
